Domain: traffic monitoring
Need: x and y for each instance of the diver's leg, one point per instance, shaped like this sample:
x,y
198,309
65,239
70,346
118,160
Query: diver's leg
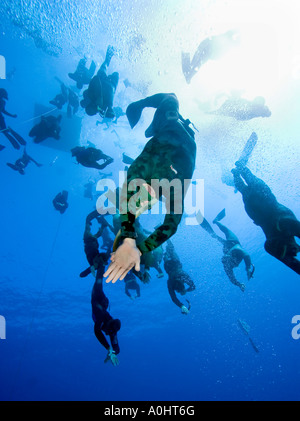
x,y
17,136
228,233
12,140
207,227
34,161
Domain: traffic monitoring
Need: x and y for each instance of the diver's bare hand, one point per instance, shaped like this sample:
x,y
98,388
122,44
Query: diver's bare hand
x,y
126,257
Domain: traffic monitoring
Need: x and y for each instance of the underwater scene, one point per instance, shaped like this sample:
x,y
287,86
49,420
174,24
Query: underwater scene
x,y
149,159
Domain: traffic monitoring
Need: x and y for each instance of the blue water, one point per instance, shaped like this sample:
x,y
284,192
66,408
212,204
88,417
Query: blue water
x,y
50,351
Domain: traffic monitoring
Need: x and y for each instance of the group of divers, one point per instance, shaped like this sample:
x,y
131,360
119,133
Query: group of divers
x,y
169,154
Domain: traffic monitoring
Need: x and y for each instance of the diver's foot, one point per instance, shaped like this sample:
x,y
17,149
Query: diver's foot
x,y
242,287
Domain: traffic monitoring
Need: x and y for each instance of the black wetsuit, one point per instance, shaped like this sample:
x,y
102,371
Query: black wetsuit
x,y
176,275
99,301
99,96
15,139
60,201
88,157
22,163
100,315
278,223
48,127
60,100
170,154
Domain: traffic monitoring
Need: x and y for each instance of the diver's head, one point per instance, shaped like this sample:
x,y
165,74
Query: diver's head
x,y
113,326
3,93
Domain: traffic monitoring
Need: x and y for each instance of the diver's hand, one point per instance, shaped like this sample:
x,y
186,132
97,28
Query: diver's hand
x,y
242,287
250,272
111,356
14,116
126,257
184,310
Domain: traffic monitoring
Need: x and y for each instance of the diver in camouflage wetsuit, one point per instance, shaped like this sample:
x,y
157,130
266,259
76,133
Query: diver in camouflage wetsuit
x,y
170,154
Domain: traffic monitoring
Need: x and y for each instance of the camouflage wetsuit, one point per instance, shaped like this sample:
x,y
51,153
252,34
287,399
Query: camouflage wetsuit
x,y
170,154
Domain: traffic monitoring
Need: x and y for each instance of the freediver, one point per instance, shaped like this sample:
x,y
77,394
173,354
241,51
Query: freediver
x,y
98,98
15,139
233,252
170,155
22,163
88,157
278,222
177,277
48,127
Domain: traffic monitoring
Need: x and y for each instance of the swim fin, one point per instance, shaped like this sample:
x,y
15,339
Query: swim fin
x,y
205,225
248,149
12,140
134,112
221,215
85,273
186,66
2,147
17,136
